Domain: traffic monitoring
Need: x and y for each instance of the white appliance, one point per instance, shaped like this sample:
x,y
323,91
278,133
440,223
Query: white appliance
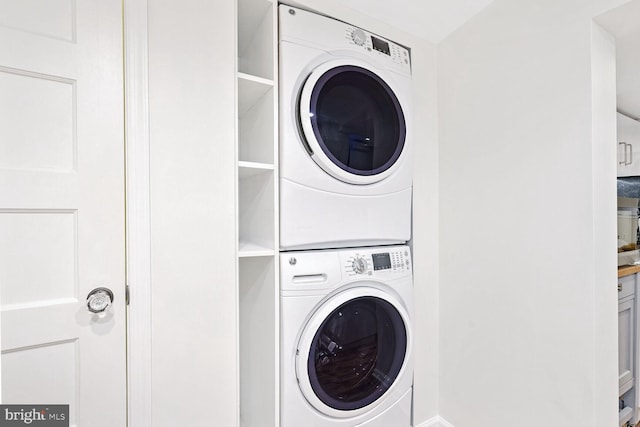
x,y
346,337
345,135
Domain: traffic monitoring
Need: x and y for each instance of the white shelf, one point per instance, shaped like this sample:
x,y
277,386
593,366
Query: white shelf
x,y
256,37
248,169
250,249
257,209
255,79
250,90
256,120
625,415
251,13
259,328
256,199
625,387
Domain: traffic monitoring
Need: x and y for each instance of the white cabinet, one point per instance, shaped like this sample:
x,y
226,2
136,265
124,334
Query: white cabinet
x,y
257,207
628,146
627,352
626,329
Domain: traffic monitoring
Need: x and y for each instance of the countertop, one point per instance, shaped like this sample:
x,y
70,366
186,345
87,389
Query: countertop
x,y
626,270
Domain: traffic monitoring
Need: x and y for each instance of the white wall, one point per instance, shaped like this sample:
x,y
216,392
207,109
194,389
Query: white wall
x,y
527,202
194,307
425,233
604,159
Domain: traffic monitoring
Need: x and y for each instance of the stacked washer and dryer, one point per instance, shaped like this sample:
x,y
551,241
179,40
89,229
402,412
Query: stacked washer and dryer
x,y
345,219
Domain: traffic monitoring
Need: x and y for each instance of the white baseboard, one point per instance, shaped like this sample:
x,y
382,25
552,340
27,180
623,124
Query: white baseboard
x,y
436,422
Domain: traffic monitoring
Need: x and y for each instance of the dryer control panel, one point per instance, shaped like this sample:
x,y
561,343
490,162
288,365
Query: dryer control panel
x,y
377,46
331,35
377,262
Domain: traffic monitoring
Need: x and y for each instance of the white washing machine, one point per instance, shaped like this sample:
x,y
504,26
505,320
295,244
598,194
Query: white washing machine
x,y
345,135
346,337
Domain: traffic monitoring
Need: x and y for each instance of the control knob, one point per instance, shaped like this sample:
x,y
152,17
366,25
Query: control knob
x,y
358,36
359,265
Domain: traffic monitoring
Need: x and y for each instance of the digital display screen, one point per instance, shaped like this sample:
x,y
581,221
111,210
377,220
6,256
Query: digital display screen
x,y
380,45
381,261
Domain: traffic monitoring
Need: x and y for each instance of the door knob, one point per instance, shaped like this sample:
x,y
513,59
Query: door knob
x,y
99,300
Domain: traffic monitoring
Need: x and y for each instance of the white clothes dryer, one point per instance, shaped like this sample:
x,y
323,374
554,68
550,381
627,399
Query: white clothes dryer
x,y
345,135
346,337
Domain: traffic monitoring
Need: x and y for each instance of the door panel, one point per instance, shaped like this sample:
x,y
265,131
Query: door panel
x,y
53,18
357,120
62,206
53,381
353,351
50,145
352,121
48,237
357,353
626,333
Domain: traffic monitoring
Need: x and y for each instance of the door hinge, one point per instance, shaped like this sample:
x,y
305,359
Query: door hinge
x,y
126,294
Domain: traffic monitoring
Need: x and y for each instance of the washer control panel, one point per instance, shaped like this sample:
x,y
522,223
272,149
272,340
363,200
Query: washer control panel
x,y
319,270
359,265
381,261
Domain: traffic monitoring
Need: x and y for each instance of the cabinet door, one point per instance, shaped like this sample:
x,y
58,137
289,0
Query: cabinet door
x,y
626,286
622,145
626,344
628,146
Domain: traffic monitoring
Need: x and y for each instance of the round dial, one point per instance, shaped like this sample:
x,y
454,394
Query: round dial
x,y
358,36
359,265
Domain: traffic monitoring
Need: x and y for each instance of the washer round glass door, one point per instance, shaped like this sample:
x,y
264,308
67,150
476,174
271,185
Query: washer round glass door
x,y
352,121
353,350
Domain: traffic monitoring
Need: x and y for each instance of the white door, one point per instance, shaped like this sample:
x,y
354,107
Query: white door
x,y
62,206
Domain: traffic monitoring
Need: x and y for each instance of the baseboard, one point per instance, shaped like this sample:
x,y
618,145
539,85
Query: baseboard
x,y
437,421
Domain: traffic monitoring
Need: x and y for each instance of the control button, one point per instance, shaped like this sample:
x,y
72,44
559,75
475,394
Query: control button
x,y
358,36
359,265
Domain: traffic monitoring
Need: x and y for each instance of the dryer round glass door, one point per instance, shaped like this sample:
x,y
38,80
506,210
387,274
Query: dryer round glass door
x,y
355,354
352,122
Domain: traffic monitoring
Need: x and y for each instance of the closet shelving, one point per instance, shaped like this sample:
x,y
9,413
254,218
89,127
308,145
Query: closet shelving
x,y
257,207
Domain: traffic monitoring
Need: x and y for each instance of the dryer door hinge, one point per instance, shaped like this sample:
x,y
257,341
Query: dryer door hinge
x,y
126,294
